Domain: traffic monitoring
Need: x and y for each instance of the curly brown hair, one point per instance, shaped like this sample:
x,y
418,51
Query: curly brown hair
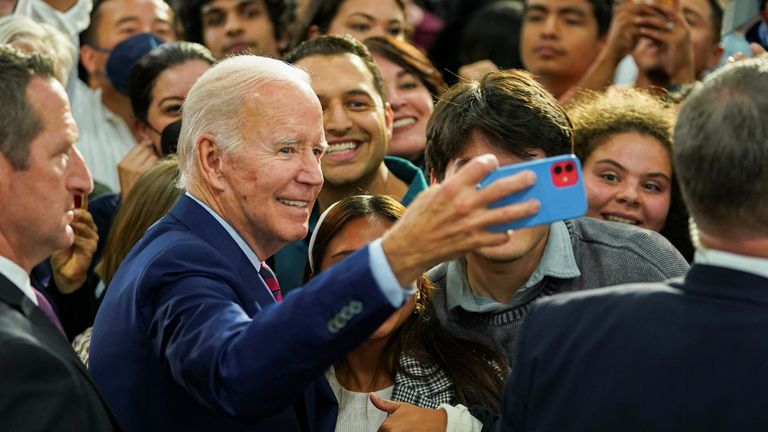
x,y
597,116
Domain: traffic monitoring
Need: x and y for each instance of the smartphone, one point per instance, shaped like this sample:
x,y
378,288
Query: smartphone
x,y
559,187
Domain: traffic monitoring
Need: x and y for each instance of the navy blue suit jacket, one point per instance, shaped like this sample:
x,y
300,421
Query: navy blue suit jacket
x,y
188,336
43,384
689,356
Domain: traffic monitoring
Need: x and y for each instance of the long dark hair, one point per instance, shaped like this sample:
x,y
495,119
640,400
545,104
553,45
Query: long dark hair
x,y
411,59
477,370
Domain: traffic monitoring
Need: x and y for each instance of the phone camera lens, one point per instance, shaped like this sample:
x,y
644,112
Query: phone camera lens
x,y
569,168
558,170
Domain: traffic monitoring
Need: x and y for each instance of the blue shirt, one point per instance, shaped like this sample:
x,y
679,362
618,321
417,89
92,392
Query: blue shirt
x,y
557,261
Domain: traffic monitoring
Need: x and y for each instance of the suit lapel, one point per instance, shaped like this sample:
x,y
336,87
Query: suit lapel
x,y
208,229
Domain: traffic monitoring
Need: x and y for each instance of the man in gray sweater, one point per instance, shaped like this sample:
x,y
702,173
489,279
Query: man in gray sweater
x,y
484,295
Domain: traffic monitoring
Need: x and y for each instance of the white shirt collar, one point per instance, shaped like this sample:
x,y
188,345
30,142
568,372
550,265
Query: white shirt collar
x,y
18,276
748,264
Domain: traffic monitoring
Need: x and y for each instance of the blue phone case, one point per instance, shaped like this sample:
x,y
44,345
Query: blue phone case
x,y
559,187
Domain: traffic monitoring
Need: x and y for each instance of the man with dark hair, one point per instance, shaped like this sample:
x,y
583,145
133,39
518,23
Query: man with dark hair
x,y
358,127
486,294
103,113
561,38
671,44
229,27
43,385
687,355
194,333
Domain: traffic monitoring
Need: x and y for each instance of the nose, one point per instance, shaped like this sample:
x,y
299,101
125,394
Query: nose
x,y
395,99
629,195
233,26
550,27
310,173
79,179
335,120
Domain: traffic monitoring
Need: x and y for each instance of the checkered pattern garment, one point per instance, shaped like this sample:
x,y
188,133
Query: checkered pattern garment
x,y
428,392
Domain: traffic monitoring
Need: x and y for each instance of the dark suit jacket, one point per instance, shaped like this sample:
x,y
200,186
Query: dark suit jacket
x,y
188,336
689,356
43,384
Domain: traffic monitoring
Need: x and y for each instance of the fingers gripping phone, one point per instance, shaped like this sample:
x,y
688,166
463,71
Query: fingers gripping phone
x,y
559,188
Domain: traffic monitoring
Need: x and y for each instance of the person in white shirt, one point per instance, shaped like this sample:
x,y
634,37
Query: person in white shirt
x,y
103,113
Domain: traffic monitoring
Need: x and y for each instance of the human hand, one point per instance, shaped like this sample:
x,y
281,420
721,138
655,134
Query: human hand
x,y
757,49
452,218
407,417
667,36
623,32
135,163
70,265
477,70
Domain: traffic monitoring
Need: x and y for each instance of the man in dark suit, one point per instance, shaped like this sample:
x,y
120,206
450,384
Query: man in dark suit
x,y
688,355
43,385
193,334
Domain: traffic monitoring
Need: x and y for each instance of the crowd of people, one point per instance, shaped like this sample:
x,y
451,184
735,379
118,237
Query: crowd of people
x,y
264,215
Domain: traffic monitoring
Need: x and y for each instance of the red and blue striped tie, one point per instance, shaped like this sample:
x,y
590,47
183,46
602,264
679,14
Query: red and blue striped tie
x,y
271,281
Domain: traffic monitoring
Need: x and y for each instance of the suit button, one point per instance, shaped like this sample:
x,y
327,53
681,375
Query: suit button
x,y
346,313
332,327
355,307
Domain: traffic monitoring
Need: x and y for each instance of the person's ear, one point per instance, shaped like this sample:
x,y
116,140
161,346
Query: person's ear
x,y
432,178
389,118
88,59
210,163
282,42
313,32
714,58
142,132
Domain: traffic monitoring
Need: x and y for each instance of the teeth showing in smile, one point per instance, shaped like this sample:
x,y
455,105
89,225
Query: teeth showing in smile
x,y
403,122
301,204
340,147
613,218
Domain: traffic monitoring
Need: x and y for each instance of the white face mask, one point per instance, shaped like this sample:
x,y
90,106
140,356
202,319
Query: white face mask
x,y
71,22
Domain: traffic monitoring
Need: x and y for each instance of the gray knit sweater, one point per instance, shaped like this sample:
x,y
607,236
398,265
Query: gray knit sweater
x,y
606,253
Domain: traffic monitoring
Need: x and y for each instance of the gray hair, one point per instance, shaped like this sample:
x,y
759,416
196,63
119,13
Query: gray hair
x,y
28,35
721,149
214,105
19,122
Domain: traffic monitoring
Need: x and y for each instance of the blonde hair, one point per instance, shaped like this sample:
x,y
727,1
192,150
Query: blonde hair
x,y
28,35
151,198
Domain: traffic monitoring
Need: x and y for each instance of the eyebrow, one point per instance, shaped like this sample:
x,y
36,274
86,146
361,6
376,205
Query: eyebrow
x,y
695,13
623,168
363,14
359,92
214,8
173,98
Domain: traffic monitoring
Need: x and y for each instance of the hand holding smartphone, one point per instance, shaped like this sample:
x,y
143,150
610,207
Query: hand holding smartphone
x,y
559,188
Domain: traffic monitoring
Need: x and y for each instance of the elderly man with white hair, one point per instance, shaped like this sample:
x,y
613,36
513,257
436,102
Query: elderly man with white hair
x,y
193,333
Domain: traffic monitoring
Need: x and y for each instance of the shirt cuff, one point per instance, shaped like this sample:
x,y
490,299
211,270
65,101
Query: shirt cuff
x,y
460,420
385,278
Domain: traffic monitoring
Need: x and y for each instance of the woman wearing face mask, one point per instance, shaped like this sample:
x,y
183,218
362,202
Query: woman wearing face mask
x,y
624,140
157,86
411,357
360,19
413,84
